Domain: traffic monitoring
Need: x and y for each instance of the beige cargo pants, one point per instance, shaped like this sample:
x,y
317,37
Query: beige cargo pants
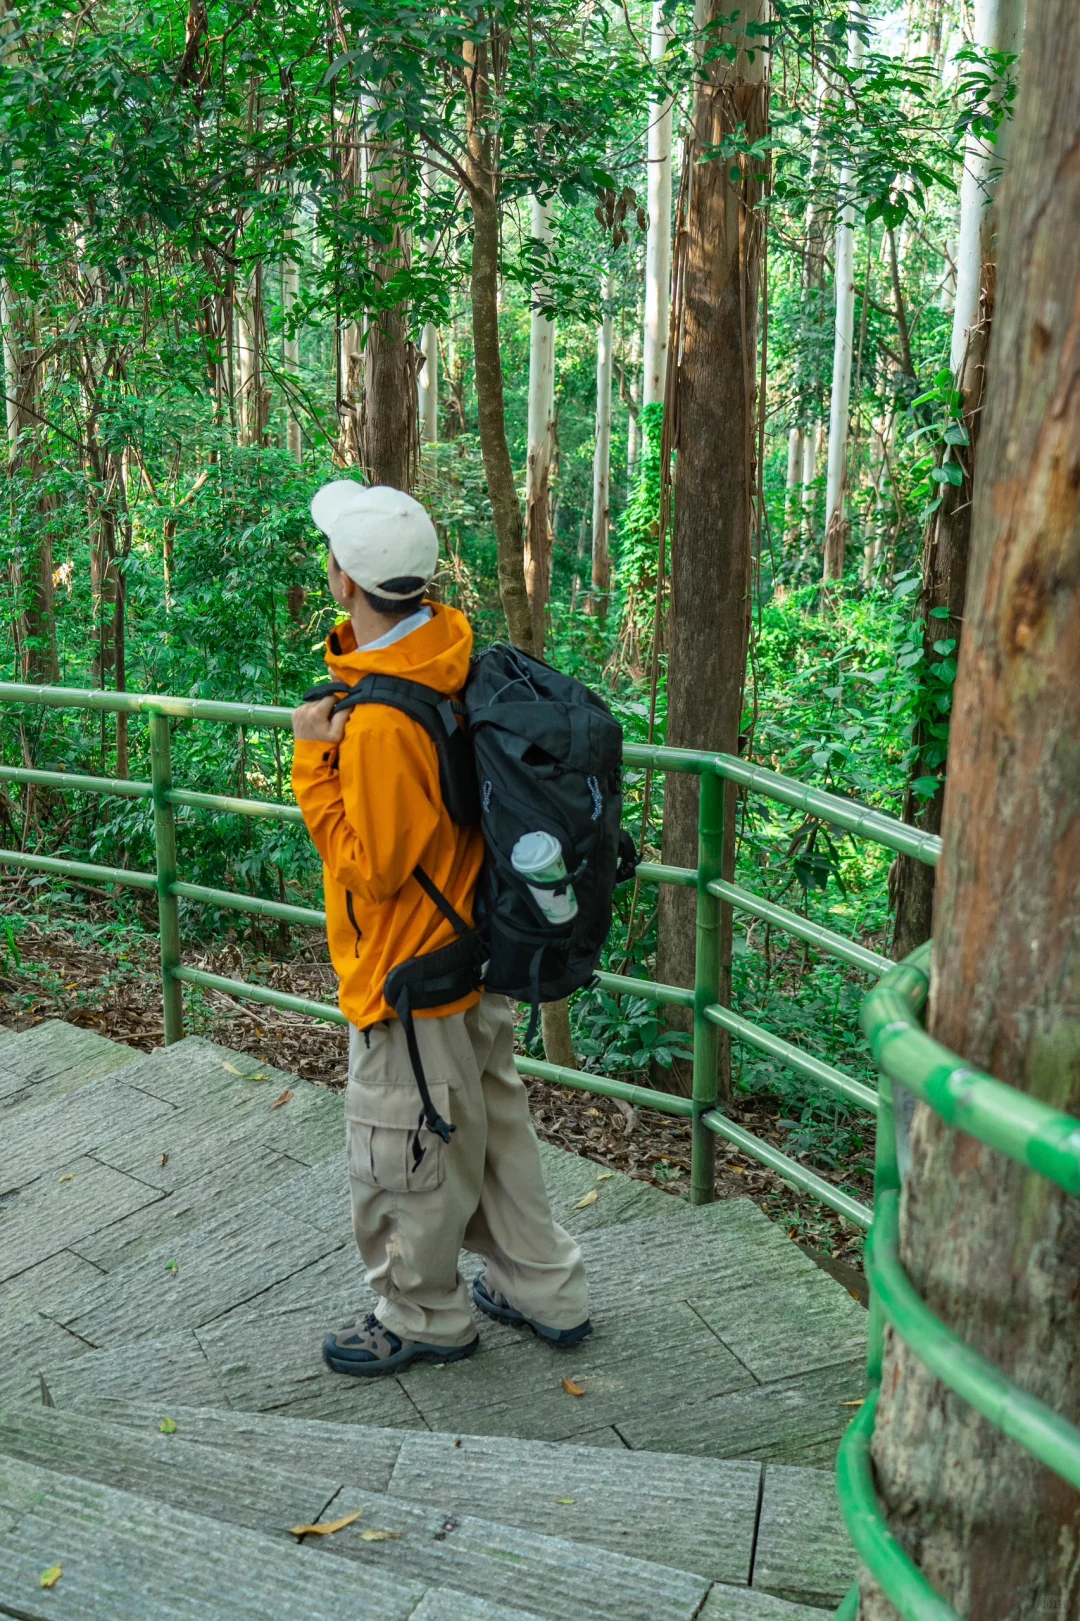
x,y
483,1190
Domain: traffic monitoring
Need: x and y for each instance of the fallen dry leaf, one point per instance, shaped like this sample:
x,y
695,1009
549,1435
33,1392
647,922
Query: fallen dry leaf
x,y
605,1176
572,1388
164,1160
330,1526
590,1198
232,1069
566,1499
853,1403
50,1577
167,1426
284,1098
255,1077
70,1177
380,1536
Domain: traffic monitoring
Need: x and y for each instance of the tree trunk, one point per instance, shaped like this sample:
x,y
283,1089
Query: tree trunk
x,y
31,568
990,1246
714,405
290,296
792,504
999,25
428,375
601,503
633,431
840,400
658,238
811,453
538,533
487,361
389,427
251,333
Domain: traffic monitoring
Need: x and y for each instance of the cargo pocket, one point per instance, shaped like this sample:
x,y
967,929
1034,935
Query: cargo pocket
x,y
389,1145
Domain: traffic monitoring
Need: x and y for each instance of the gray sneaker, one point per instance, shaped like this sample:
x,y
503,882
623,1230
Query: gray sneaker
x,y
369,1349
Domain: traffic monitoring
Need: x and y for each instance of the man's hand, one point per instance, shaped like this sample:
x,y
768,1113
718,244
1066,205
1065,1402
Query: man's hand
x,y
314,723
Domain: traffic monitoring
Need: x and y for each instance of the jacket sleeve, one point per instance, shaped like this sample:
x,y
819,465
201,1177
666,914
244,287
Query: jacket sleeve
x,y
369,804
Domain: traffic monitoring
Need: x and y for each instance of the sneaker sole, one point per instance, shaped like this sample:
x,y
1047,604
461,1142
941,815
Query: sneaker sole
x,y
400,1359
516,1319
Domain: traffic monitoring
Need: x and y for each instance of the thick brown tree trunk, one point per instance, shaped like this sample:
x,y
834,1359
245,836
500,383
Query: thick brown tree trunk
x,y
716,361
389,422
484,287
993,1248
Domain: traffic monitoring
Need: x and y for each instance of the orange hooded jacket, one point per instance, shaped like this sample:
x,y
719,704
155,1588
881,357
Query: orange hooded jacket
x,y
374,811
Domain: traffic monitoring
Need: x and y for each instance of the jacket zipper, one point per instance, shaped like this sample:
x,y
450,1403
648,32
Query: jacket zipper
x,y
352,919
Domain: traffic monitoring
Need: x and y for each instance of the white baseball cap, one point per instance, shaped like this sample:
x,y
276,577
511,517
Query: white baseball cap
x,y
381,538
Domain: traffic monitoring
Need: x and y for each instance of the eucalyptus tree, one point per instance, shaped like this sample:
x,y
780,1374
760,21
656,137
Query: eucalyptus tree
x,y
658,241
990,1245
541,430
601,491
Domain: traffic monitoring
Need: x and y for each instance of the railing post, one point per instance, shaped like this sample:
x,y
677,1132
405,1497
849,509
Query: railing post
x,y
172,992
706,985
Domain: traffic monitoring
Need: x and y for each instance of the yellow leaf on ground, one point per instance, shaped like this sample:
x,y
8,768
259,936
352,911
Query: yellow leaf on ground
x,y
167,1426
572,1388
70,1177
605,1176
255,1077
232,1069
590,1198
284,1098
566,1499
852,1403
328,1528
50,1577
380,1536
164,1160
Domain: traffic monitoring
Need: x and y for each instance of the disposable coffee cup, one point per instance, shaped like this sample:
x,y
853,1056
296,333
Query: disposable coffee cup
x,y
539,855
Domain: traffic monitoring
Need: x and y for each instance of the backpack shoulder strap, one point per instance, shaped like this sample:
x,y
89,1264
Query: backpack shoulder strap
x,y
436,713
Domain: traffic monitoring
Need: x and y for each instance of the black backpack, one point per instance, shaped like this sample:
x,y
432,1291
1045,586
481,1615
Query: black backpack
x,y
528,750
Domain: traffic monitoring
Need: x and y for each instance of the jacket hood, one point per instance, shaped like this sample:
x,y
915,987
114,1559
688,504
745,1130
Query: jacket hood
x,y
437,654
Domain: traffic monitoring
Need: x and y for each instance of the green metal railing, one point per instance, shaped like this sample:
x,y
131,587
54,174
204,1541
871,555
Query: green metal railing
x,y
1036,1136
1042,1139
714,894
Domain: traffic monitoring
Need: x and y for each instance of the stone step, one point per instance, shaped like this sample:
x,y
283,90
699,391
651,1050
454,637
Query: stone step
x,y
427,1545
696,1514
52,1059
747,1604
127,1558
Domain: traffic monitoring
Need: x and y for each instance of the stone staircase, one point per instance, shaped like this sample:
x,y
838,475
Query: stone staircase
x,y
174,1243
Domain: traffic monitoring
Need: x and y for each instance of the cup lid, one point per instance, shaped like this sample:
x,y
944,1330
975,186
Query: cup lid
x,y
535,851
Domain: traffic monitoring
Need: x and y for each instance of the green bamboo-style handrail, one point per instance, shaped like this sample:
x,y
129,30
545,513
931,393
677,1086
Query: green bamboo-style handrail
x,y
1042,1139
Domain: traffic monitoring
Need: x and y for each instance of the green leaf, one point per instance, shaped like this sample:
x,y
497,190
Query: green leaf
x,y
957,434
926,787
167,1426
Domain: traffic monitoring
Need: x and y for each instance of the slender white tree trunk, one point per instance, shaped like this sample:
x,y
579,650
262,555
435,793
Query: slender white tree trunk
x,y
601,507
290,295
427,381
541,444
835,535
792,504
811,449
633,432
999,26
247,356
658,239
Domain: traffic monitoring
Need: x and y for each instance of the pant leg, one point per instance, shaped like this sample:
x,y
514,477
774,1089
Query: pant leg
x,y
412,1194
530,1258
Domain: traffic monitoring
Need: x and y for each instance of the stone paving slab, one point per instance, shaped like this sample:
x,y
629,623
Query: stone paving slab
x,y
49,1135
796,1420
747,1604
431,1544
27,1348
790,1322
803,1551
172,1369
70,1201
198,1276
52,1059
60,1274
691,1513
125,1558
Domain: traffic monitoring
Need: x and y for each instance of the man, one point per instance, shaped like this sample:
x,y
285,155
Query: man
x,y
367,781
